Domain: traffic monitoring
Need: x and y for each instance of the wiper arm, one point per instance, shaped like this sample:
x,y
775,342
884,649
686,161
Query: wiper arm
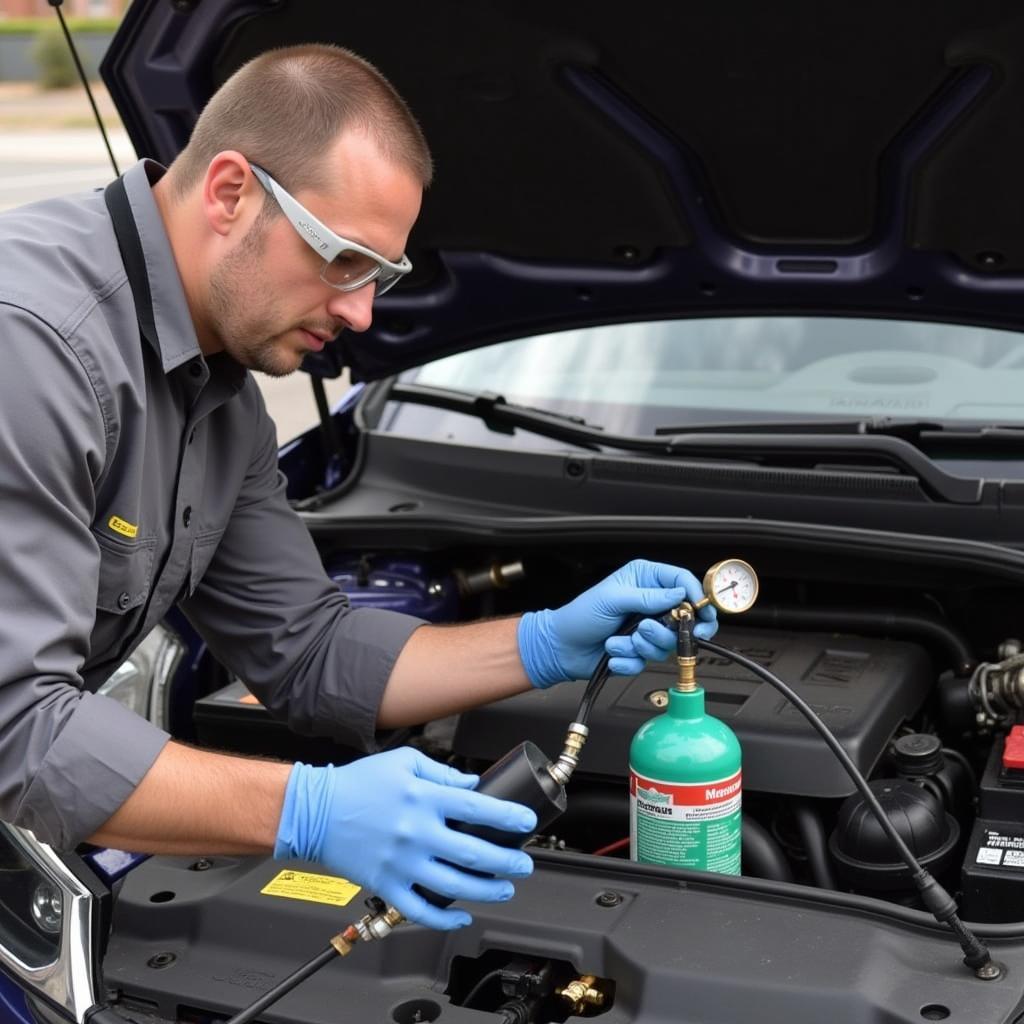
x,y
875,425
751,447
915,431
503,417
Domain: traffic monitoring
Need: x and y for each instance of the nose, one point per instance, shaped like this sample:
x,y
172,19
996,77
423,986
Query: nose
x,y
354,308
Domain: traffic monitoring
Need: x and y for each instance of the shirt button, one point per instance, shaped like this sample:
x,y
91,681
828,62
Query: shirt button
x,y
186,516
196,368
123,600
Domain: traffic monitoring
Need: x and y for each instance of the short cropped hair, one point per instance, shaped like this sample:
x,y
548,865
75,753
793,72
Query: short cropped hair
x,y
284,108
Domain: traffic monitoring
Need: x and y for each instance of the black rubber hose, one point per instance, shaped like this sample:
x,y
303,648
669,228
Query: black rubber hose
x,y
480,986
762,855
812,832
852,620
283,987
597,680
934,897
601,672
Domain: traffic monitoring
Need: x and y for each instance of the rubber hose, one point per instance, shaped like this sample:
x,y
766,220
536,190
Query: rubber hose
x,y
812,832
762,855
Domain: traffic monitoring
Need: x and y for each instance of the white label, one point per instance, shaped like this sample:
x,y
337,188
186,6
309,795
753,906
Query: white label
x,y
986,855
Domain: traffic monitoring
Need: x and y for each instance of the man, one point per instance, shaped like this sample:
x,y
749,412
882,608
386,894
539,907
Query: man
x,y
140,471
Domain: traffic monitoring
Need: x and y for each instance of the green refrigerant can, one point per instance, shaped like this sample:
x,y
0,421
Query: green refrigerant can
x,y
685,789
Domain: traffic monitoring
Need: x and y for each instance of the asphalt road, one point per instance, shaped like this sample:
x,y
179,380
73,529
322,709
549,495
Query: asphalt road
x,y
43,163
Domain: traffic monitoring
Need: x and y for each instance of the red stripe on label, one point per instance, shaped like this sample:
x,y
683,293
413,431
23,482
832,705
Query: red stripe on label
x,y
690,794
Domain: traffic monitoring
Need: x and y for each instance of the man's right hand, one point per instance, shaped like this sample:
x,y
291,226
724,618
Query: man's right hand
x,y
380,822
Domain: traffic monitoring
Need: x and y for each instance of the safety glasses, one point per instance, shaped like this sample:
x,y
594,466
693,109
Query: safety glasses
x,y
347,264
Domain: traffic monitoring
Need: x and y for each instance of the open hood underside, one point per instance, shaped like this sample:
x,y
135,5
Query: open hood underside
x,y
596,163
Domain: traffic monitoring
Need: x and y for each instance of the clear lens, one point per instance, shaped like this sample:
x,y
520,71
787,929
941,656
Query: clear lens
x,y
48,908
351,270
141,682
387,281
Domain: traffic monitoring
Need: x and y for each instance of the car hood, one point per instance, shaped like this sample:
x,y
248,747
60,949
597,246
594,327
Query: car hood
x,y
597,163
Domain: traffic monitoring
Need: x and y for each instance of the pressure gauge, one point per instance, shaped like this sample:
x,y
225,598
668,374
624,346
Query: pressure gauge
x,y
731,585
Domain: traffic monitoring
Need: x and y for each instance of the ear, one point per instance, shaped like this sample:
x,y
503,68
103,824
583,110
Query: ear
x,y
231,195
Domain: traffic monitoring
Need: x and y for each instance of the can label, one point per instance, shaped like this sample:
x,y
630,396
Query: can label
x,y
686,825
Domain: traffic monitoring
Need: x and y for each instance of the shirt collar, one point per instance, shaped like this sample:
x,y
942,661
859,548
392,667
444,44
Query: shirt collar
x,y
176,333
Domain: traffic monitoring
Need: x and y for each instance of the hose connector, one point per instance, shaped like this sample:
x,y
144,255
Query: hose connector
x,y
686,651
581,994
344,941
568,760
377,925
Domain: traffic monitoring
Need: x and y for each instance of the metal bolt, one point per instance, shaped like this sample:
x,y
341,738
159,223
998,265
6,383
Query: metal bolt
x,y
609,898
203,864
990,971
161,960
990,259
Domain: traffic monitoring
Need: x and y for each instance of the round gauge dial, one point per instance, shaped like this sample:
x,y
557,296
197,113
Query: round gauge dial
x,y
731,585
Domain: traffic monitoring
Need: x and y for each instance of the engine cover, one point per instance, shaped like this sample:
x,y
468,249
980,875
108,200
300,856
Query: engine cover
x,y
862,688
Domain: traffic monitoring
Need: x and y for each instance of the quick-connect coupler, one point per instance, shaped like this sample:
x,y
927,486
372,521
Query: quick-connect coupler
x,y
562,769
377,925
686,651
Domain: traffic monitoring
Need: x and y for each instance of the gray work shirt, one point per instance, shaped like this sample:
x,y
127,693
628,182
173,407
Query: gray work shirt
x,y
133,476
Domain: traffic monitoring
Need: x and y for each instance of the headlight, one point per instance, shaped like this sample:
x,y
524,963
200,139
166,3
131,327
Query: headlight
x,y
141,682
49,926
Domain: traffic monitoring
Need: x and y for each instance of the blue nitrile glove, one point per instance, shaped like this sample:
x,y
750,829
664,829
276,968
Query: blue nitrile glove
x,y
380,822
568,642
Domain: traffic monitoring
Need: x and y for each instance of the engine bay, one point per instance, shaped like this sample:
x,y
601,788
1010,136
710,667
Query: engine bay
x,y
922,692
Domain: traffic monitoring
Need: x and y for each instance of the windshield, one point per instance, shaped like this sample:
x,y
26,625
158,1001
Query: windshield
x,y
636,377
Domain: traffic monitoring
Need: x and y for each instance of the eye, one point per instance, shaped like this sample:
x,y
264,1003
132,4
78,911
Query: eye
x,y
349,266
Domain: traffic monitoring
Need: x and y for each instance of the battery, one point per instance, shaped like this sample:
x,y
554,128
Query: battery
x,y
993,870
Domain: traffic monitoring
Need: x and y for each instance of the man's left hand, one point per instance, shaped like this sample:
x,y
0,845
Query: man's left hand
x,y
568,642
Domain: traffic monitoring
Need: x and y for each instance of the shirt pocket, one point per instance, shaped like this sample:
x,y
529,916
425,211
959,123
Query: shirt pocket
x,y
126,572
203,550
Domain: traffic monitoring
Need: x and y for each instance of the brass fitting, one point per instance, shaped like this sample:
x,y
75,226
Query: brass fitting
x,y
344,941
687,679
377,926
582,994
562,769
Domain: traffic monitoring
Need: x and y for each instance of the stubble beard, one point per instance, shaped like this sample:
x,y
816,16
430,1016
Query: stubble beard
x,y
242,309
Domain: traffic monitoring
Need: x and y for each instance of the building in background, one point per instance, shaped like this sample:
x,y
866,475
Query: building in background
x,y
72,8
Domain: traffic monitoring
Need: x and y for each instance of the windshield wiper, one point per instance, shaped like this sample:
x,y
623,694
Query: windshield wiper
x,y
914,431
503,417
730,443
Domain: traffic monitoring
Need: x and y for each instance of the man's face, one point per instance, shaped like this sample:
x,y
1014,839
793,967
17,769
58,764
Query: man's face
x,y
268,306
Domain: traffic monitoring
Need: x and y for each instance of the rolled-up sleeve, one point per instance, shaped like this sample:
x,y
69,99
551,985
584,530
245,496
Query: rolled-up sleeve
x,y
270,613
68,759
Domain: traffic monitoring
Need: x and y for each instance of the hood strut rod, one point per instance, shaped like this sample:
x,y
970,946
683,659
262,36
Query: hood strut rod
x,y
56,4
328,431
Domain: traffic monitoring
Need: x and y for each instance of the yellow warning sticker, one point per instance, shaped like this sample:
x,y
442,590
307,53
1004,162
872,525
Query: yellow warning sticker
x,y
303,885
119,525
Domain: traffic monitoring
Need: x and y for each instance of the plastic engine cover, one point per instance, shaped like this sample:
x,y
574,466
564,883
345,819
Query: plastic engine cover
x,y
861,687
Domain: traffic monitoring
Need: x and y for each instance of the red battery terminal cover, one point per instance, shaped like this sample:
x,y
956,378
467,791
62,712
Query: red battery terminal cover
x,y
1013,751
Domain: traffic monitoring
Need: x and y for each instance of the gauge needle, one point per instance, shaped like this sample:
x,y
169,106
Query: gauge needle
x,y
732,586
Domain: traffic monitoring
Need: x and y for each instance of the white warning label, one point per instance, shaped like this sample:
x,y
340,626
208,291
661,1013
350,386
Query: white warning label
x,y
1001,848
